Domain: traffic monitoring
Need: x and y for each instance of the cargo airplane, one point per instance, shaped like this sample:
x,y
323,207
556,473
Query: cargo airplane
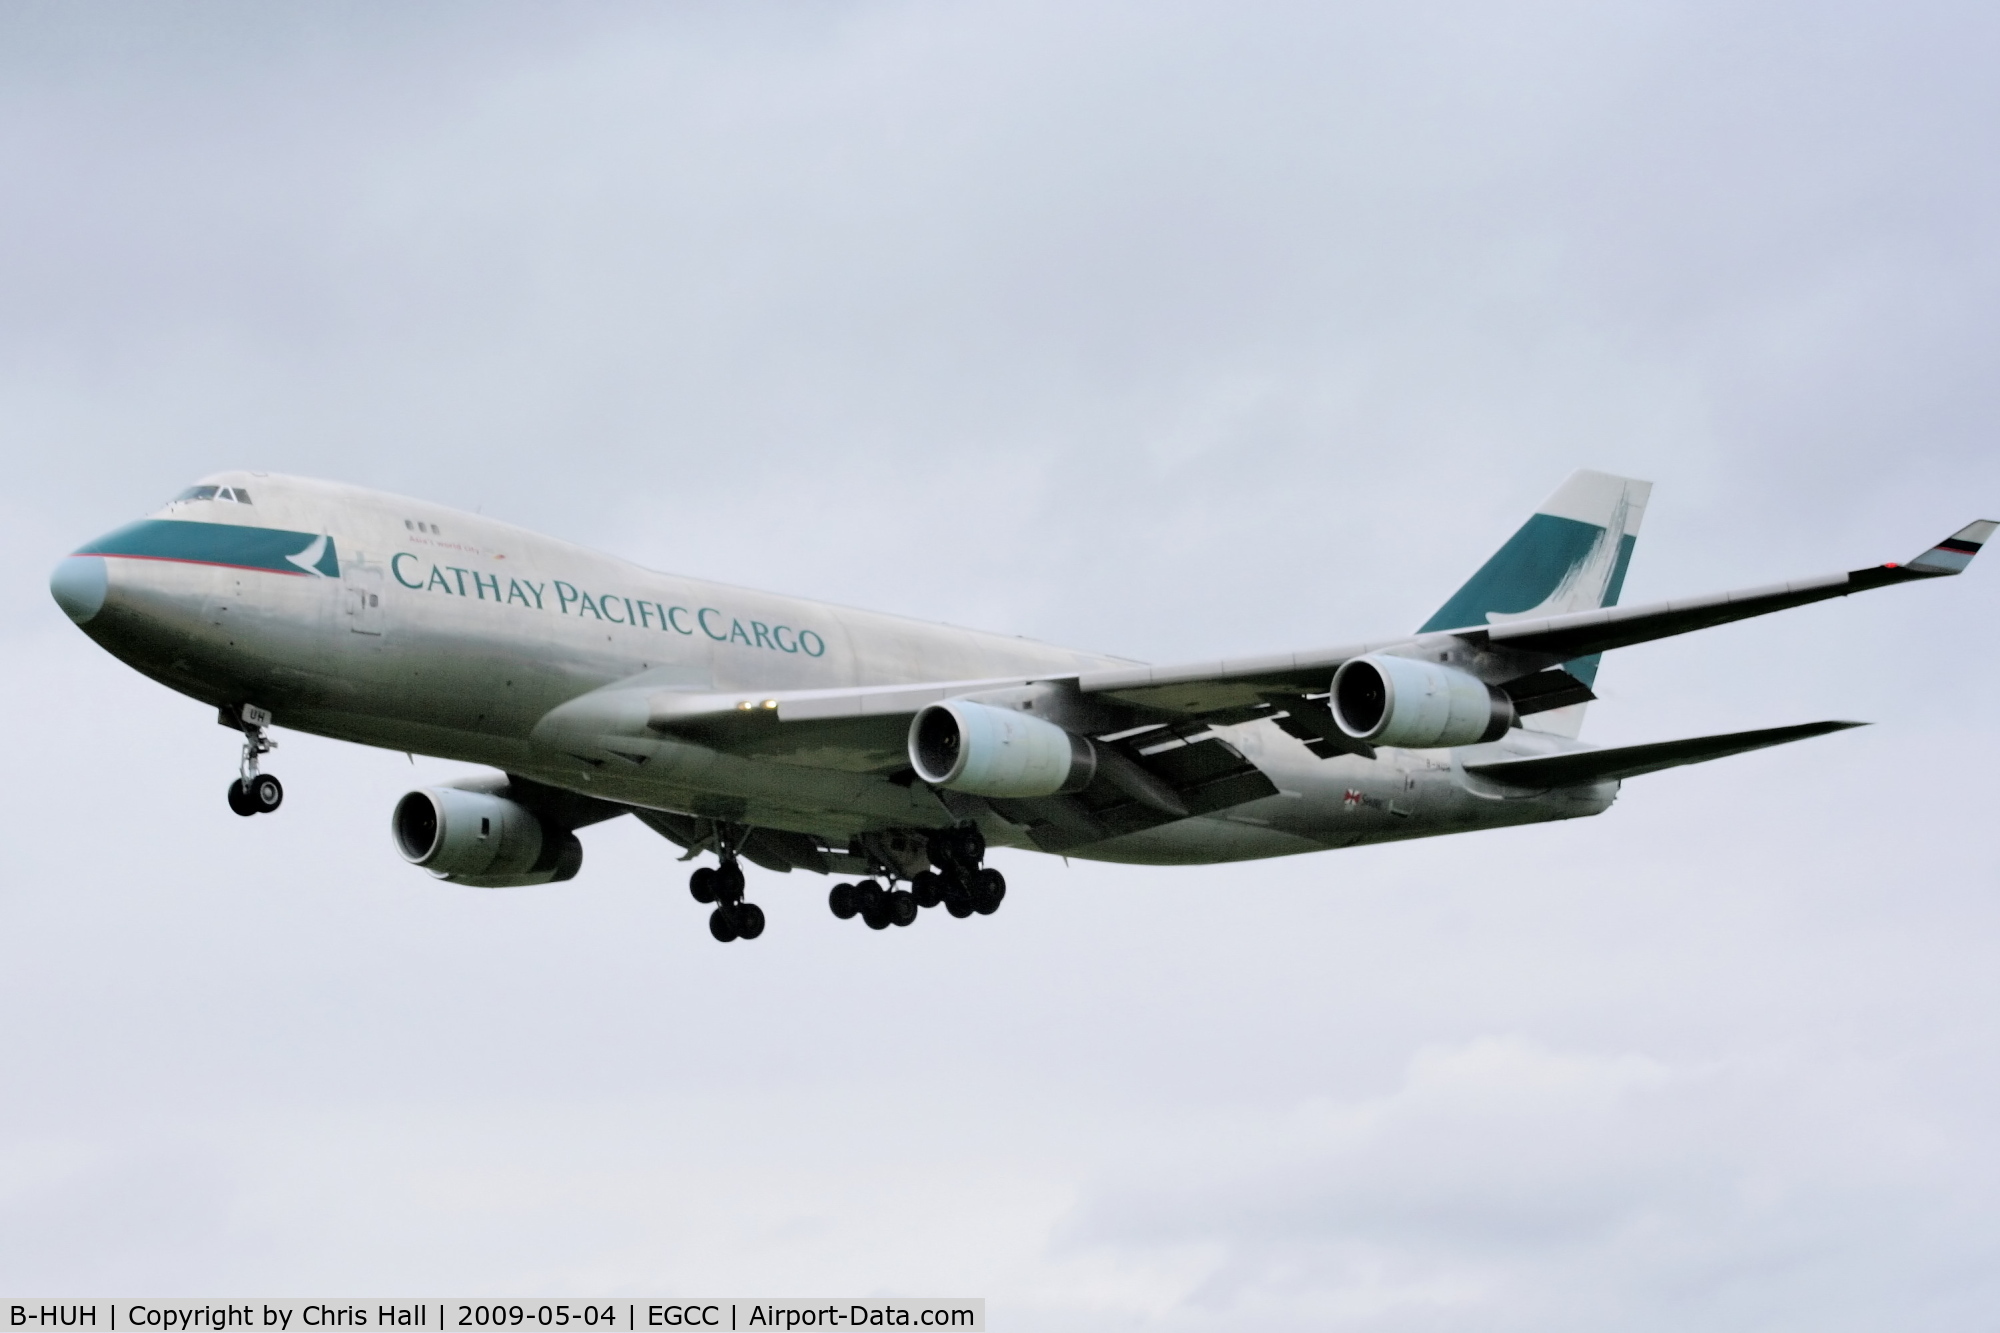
x,y
798,735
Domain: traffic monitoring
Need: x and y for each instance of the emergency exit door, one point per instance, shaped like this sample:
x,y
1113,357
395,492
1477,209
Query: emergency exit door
x,y
364,596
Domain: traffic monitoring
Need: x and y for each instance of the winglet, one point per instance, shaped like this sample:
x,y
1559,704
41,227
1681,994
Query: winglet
x,y
1955,552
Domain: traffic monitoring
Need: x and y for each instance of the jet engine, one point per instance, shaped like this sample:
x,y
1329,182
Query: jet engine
x,y
988,751
1419,705
476,838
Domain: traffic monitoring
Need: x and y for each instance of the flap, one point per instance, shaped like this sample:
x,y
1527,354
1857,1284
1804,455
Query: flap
x,y
1546,690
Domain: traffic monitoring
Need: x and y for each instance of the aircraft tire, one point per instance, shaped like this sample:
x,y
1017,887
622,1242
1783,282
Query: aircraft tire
x,y
928,888
988,888
966,846
702,884
722,924
958,901
749,921
902,907
960,848
876,914
266,793
729,883
240,800
841,899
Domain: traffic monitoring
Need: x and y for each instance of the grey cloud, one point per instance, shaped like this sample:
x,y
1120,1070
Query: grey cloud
x,y
1167,330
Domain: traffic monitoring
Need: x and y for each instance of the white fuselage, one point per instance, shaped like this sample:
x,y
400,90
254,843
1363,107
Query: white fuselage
x,y
455,635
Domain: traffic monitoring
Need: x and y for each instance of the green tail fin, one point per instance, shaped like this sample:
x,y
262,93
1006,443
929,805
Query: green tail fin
x,y
1571,555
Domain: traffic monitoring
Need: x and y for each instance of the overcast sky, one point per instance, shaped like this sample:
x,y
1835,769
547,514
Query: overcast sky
x,y
1169,330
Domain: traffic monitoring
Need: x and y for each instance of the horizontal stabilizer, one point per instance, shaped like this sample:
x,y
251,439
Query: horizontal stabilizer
x,y
1579,767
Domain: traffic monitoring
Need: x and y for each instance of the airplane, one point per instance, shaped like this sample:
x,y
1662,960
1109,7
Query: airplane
x,y
889,752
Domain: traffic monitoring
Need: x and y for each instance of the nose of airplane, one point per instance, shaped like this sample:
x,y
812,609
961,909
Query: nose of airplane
x,y
78,585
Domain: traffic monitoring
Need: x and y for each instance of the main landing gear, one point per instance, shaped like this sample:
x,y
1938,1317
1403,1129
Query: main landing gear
x,y
732,919
959,883
255,793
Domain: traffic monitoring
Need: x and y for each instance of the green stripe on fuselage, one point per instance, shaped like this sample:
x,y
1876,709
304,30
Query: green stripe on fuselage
x,y
228,544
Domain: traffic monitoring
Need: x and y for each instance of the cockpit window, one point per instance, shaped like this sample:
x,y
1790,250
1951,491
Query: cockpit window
x,y
227,494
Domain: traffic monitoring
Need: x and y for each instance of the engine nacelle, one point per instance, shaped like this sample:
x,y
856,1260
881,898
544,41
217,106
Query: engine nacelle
x,y
988,751
490,842
1418,705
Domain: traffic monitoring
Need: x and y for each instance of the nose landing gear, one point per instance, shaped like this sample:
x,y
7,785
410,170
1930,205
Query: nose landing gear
x,y
256,796
254,793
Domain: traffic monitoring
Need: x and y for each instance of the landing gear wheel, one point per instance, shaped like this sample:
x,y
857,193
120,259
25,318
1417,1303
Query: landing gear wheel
x,y
874,904
902,907
988,888
841,899
961,848
928,888
729,882
702,884
958,898
266,793
723,924
749,921
240,800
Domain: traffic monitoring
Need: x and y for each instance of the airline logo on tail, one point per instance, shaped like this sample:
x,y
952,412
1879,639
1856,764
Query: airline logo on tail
x,y
1571,555
1595,579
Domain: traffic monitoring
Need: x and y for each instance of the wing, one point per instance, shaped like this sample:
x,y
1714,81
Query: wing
x,y
1585,632
1523,657
1157,723
1152,769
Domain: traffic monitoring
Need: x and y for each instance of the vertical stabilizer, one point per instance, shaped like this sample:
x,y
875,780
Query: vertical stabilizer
x,y
1571,555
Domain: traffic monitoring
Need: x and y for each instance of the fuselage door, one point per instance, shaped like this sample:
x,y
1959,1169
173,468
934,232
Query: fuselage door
x,y
364,596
